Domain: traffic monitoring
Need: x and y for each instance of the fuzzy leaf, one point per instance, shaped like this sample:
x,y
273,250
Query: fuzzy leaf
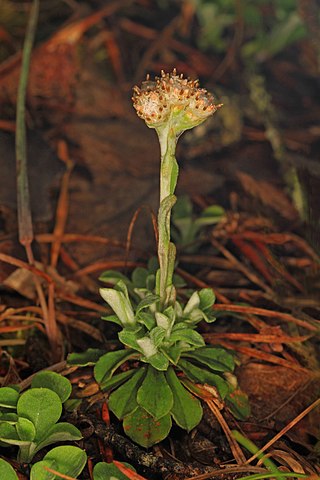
x,y
158,361
147,302
155,395
113,277
124,400
42,407
139,277
108,364
143,429
6,471
186,410
200,375
66,459
109,471
217,359
147,319
193,302
207,298
52,380
8,397
120,304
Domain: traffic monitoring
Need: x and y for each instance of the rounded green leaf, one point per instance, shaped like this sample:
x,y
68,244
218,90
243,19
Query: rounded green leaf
x,y
124,400
83,359
67,460
8,397
6,471
155,395
42,407
52,380
25,429
186,410
109,471
143,429
60,432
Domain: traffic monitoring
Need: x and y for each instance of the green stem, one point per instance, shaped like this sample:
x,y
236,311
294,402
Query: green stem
x,y
168,180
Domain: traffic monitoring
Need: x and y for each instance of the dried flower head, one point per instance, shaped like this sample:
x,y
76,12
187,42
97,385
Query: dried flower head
x,y
172,98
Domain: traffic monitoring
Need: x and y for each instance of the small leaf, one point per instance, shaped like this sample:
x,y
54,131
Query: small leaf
x,y
61,432
217,359
186,410
157,335
201,375
120,304
83,359
55,382
8,434
42,407
155,395
6,471
159,361
8,397
139,277
116,380
112,277
238,403
124,400
112,319
25,429
109,471
187,335
147,319
143,429
108,364
67,460
207,298
193,302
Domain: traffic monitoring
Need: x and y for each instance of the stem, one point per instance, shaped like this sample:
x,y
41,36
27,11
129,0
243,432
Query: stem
x,y
168,180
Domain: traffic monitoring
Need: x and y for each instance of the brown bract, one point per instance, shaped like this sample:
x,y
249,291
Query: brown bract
x,y
172,97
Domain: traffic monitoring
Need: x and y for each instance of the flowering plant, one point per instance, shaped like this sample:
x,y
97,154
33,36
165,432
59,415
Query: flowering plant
x,y
164,355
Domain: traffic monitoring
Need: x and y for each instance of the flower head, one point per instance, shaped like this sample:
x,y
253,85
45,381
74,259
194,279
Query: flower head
x,y
172,98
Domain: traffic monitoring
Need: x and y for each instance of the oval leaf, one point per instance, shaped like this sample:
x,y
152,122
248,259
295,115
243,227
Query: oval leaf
x,y
8,397
217,359
61,432
109,471
155,395
55,382
143,429
186,410
42,407
67,460
25,429
6,471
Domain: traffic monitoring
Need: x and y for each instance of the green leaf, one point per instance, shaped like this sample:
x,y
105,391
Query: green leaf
x,y
116,380
120,304
217,359
193,302
207,298
8,434
155,395
8,397
6,471
143,429
112,319
109,471
42,407
200,375
83,359
25,429
108,364
159,361
61,432
187,335
124,400
157,335
238,403
67,460
55,382
186,410
147,319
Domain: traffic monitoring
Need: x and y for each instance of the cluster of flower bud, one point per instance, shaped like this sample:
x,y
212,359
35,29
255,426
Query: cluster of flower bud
x,y
172,98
